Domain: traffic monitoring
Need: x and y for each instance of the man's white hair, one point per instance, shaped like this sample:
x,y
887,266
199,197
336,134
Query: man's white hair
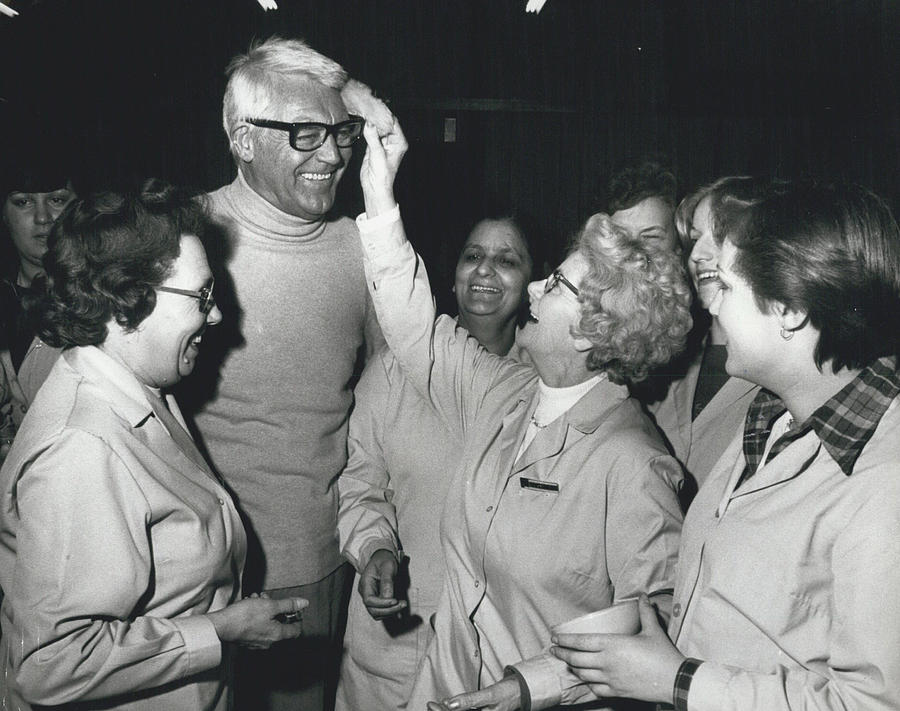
x,y
250,89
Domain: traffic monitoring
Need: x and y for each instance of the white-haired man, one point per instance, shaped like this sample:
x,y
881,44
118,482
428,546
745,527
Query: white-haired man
x,y
275,422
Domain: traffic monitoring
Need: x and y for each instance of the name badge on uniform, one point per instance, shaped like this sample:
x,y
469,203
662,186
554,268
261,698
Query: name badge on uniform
x,y
538,485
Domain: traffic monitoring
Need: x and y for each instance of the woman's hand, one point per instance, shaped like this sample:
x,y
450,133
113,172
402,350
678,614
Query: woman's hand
x,y
253,621
376,585
361,100
502,696
379,167
641,666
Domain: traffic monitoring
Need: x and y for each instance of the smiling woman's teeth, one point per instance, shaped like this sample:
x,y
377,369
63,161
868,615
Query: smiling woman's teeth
x,y
486,289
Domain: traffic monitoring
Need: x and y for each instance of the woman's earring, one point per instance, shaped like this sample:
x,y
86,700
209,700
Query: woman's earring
x,y
786,334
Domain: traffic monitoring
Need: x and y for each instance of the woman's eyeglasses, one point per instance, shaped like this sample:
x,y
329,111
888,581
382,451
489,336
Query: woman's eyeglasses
x,y
556,278
204,296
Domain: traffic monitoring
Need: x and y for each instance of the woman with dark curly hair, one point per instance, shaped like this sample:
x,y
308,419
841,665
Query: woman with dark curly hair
x,y
563,498
120,551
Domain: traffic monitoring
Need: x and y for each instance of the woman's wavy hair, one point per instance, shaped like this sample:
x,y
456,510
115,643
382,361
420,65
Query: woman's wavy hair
x,y
831,251
635,302
726,194
106,254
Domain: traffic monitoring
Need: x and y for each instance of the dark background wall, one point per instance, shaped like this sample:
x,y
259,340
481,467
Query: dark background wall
x,y
545,105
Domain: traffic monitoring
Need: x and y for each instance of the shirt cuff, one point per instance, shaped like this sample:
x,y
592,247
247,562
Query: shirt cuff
x,y
524,693
711,683
539,681
201,641
683,680
367,225
370,548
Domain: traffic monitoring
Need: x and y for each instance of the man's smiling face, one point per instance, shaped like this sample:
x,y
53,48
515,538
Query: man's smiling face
x,y
300,183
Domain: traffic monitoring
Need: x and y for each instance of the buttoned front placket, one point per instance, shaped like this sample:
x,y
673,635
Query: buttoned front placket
x,y
487,489
791,463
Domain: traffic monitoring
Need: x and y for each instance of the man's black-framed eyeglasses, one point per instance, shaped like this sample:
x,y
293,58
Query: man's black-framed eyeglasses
x,y
205,296
310,135
557,277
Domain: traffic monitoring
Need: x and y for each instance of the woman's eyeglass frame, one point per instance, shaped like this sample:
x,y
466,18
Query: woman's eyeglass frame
x,y
204,296
557,277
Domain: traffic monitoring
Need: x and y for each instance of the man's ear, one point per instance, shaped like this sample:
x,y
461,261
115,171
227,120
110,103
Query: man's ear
x,y
242,140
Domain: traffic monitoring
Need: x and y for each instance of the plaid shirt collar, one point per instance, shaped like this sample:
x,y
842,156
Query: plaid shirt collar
x,y
844,424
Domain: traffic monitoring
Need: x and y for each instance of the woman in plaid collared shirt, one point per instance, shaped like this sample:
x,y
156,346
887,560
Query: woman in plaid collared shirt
x,y
790,555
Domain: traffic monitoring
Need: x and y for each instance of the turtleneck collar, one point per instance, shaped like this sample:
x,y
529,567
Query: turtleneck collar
x,y
553,402
259,213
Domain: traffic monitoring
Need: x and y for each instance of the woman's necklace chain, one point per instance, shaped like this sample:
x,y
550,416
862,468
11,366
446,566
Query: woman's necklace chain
x,y
538,424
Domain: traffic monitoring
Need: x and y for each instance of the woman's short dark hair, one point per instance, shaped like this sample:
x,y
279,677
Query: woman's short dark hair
x,y
634,183
30,168
515,223
635,302
832,252
106,254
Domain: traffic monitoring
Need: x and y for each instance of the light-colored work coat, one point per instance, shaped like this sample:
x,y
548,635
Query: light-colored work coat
x,y
698,443
587,515
787,584
115,543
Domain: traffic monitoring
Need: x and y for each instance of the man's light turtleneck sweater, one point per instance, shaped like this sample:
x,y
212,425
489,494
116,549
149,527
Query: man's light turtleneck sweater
x,y
276,429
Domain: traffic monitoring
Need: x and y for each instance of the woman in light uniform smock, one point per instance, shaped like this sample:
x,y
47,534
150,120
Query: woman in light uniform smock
x,y
701,410
400,461
566,497
120,551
